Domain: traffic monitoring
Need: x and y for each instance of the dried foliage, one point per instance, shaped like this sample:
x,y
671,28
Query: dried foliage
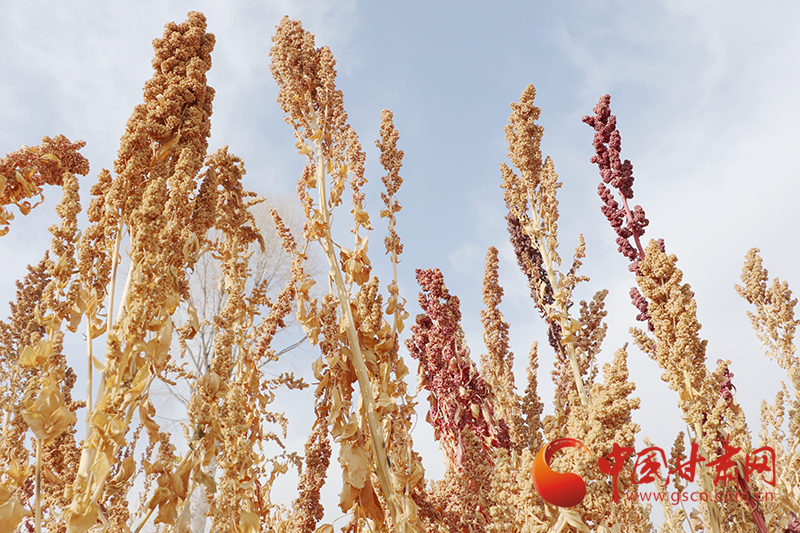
x,y
169,203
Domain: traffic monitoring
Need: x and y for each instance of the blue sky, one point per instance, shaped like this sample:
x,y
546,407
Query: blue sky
x,y
705,93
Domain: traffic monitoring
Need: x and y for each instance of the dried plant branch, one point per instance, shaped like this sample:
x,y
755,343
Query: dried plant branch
x,y
307,93
533,224
24,172
714,419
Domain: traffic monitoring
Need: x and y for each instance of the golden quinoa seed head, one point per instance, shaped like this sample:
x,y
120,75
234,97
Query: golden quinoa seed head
x,y
678,348
497,364
531,406
308,510
609,421
774,318
24,172
167,135
524,136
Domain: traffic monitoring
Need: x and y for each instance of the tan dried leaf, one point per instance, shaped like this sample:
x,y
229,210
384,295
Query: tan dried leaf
x,y
53,158
206,480
194,323
574,519
101,466
81,516
361,216
126,470
184,524
32,357
48,416
11,511
249,523
355,461
318,367
146,412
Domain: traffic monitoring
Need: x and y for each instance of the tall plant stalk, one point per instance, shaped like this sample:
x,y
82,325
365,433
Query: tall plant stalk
x,y
365,388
